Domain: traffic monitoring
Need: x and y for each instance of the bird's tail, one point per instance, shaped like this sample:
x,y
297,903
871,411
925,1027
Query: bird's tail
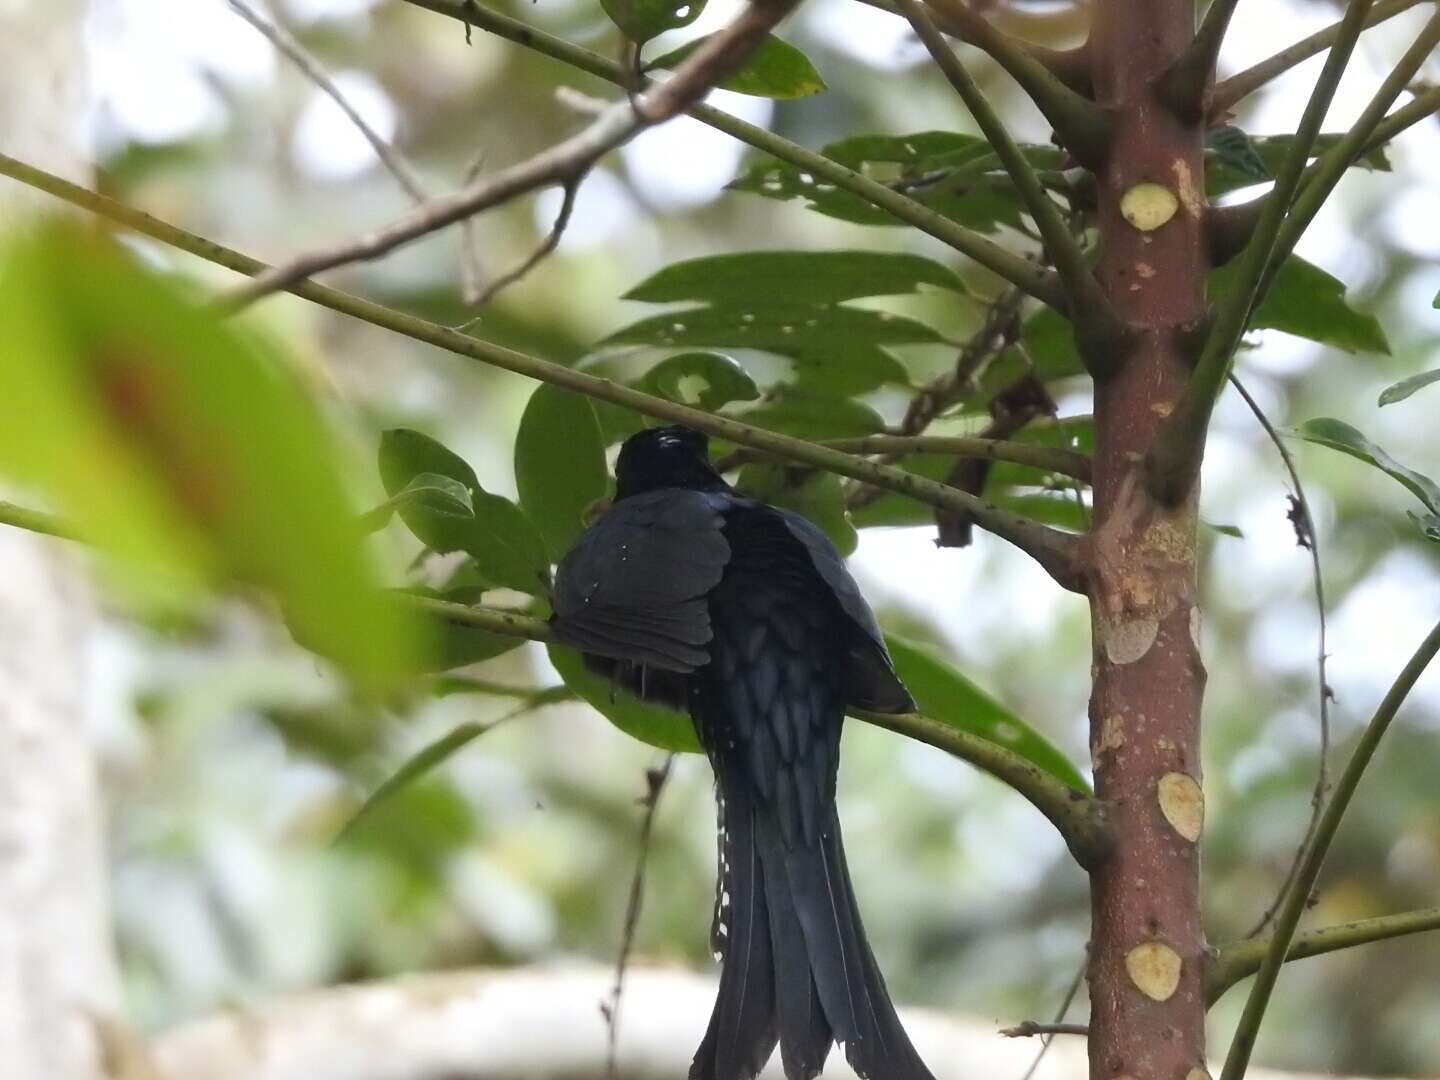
x,y
797,967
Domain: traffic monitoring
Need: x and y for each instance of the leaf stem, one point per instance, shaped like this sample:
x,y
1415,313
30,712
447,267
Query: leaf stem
x,y
1278,946
1174,460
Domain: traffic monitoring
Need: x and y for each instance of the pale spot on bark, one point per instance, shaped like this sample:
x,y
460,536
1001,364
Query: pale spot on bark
x,y
1197,1073
1154,968
1183,804
1112,737
1195,626
1190,195
1128,641
1147,206
1145,270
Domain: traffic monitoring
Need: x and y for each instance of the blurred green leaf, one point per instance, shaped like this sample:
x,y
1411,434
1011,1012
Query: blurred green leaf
x,y
892,509
641,20
946,695
814,495
779,327
855,369
506,546
706,380
815,416
185,445
956,175
1338,435
421,825
423,761
793,277
1405,387
430,492
559,465
454,644
775,69
1306,301
1231,146
1225,173
649,723
1225,530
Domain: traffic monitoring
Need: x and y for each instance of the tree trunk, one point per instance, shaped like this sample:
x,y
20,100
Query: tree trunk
x,y
57,973
1147,945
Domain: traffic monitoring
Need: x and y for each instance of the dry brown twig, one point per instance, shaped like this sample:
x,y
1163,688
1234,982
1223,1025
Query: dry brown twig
x,y
564,163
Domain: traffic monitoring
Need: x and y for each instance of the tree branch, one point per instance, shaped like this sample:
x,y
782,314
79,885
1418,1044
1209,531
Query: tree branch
x,y
286,43
1030,1028
1228,93
1087,301
1243,959
1279,944
1173,463
1013,268
1080,124
1050,458
1183,86
546,248
1056,551
37,521
721,55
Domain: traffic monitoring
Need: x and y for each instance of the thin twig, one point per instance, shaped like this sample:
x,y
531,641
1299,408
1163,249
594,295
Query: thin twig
x,y
1070,994
472,268
720,55
1029,1028
1052,459
1232,90
1173,464
1308,538
1183,86
547,246
287,44
654,787
1248,1030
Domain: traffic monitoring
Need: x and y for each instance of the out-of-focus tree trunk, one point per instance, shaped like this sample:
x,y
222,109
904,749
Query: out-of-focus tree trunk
x,y
57,969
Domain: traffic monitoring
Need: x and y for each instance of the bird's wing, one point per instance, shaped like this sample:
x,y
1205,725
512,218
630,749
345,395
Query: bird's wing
x,y
634,586
870,679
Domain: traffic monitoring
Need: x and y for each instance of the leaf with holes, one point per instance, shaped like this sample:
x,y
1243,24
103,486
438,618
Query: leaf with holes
x,y
775,69
706,380
817,496
641,20
186,446
780,328
956,175
794,277
1338,435
946,695
649,723
1405,387
1306,301
559,465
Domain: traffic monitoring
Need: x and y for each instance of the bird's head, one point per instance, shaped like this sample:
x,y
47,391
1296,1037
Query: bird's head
x,y
665,457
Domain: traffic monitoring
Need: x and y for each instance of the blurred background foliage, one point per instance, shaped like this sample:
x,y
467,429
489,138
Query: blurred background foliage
x,y
233,758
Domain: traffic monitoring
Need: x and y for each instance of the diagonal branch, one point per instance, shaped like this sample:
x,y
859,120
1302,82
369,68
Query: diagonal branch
x,y
1183,86
1056,551
1033,280
1051,458
1227,94
546,248
1279,944
1092,313
1173,464
1243,959
286,43
720,56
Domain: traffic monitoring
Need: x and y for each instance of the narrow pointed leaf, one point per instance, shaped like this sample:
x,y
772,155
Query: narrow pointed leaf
x,y
1338,435
422,762
775,69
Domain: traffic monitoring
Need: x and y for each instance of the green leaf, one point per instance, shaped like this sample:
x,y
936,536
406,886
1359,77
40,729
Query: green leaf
x,y
1224,173
187,446
1338,435
1233,531
428,492
1231,146
706,380
816,416
559,465
855,369
779,328
794,277
814,495
892,509
648,723
421,825
946,695
454,645
1405,387
423,761
641,20
506,546
955,175
774,70
1309,303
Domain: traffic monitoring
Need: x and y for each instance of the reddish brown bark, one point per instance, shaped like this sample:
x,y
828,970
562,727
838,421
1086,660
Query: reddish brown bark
x,y
1145,708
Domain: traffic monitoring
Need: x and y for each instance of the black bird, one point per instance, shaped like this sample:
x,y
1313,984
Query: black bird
x,y
689,594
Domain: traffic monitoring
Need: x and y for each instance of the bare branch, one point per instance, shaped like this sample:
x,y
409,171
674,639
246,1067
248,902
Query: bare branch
x,y
1028,1028
1053,459
1278,947
1243,959
286,43
547,246
565,162
1231,91
1183,86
